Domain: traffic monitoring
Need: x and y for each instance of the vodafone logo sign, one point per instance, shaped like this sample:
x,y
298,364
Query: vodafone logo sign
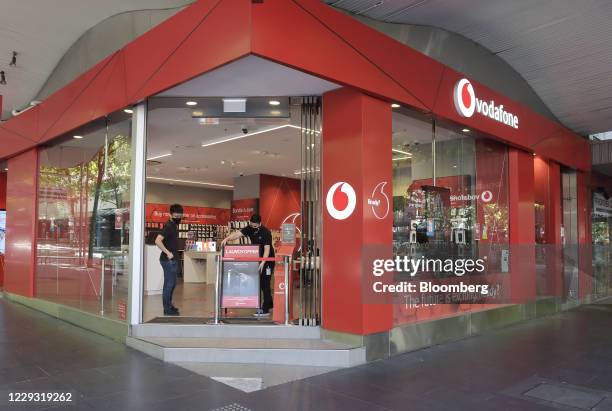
x,y
464,97
466,104
486,196
341,200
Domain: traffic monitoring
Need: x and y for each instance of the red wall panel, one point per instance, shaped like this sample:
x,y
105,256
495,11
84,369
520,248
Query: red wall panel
x,y
21,223
285,32
522,225
3,178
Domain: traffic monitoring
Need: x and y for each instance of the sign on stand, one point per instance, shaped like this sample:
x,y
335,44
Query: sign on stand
x,y
240,278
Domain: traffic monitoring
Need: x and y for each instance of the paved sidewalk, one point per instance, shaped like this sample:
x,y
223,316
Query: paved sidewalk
x,y
559,362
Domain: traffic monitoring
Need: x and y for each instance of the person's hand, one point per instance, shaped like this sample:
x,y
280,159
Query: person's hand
x,y
261,266
170,255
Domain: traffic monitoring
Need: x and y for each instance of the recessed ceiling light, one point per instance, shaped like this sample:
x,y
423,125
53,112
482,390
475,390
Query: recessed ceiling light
x,y
395,105
6,169
466,130
274,102
197,113
78,137
222,161
128,110
192,103
395,150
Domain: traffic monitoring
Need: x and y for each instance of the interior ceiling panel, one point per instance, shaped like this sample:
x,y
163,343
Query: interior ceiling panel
x,y
562,48
41,32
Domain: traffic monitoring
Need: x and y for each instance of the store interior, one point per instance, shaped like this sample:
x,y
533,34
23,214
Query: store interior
x,y
226,145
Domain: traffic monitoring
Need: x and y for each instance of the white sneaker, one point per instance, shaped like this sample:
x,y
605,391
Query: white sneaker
x,y
260,313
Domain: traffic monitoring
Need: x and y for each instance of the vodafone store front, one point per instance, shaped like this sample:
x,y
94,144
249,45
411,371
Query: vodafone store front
x,y
408,203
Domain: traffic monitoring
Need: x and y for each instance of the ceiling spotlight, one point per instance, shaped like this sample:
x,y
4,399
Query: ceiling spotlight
x,y
466,130
78,137
274,103
2,78
5,168
128,110
192,103
222,161
14,59
395,105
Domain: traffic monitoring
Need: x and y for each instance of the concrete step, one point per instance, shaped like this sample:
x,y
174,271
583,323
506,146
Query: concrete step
x,y
226,331
287,351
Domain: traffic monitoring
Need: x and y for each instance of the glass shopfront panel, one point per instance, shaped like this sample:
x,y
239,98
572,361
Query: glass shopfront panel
x,y
83,218
450,201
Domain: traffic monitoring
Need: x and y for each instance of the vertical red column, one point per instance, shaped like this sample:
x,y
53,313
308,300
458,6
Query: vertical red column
x,y
522,225
2,207
21,212
357,165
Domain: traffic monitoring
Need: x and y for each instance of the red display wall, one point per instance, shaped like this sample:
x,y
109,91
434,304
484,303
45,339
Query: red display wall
x,y
159,213
279,199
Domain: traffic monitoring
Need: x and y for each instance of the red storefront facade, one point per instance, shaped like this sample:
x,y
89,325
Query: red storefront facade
x,y
373,71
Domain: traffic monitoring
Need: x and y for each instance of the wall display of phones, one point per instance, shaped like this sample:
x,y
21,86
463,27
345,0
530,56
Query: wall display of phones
x,y
238,225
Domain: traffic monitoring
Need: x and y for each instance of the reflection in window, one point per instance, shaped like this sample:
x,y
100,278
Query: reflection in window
x,y
450,199
83,217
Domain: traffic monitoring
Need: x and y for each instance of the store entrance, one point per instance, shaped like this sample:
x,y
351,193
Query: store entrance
x,y
224,159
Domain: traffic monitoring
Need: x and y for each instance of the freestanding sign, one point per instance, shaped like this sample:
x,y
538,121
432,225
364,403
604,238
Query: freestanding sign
x,y
241,277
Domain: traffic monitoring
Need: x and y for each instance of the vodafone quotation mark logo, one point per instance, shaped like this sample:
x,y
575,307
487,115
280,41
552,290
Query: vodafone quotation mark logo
x,y
341,200
465,99
379,201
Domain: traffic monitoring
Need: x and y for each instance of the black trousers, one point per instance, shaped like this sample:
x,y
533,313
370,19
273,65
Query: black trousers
x,y
265,286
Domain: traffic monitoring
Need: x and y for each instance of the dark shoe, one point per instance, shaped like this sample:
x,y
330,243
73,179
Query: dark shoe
x,y
171,313
174,309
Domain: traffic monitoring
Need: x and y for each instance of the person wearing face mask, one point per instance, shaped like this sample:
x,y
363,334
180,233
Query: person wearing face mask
x,y
260,235
167,242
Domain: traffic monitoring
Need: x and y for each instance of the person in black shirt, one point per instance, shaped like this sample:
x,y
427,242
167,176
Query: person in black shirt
x,y
167,241
258,234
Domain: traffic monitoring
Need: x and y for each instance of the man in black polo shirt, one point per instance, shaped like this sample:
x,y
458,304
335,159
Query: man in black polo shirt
x,y
258,234
167,241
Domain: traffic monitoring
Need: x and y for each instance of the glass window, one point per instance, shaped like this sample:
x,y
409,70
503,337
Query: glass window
x,y
83,217
450,199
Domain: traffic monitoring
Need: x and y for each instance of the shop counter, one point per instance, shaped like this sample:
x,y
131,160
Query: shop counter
x,y
153,272
200,267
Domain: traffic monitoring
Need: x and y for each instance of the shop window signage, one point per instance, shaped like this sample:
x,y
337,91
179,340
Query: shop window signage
x,y
466,104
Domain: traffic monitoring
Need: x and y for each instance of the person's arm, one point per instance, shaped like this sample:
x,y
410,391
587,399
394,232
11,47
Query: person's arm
x,y
233,236
266,254
159,242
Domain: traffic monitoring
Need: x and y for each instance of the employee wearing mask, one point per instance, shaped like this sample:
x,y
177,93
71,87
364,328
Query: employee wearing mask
x,y
260,235
167,241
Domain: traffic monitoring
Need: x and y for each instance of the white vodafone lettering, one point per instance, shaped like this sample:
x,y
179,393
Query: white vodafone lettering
x,y
466,104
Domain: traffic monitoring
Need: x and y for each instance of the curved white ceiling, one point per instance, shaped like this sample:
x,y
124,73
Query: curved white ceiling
x,y
563,48
41,31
